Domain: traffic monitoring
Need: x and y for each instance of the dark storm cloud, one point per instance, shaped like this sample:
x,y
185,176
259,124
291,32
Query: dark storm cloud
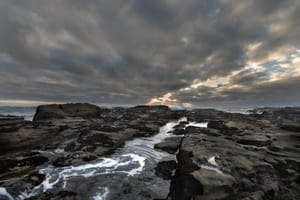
x,y
284,92
130,51
157,13
247,78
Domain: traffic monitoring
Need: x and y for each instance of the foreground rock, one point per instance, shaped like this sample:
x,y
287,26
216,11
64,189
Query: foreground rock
x,y
255,156
71,134
169,145
240,157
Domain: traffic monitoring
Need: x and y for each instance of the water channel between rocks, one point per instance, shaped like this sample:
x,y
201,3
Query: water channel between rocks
x,y
127,174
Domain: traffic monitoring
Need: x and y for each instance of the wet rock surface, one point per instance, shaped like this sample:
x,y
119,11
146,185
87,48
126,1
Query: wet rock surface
x,y
166,169
238,156
169,145
66,195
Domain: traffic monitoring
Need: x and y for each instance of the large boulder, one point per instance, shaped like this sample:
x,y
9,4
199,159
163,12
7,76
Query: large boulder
x,y
169,145
59,111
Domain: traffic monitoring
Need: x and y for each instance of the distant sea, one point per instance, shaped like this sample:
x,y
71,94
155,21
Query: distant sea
x,y
26,112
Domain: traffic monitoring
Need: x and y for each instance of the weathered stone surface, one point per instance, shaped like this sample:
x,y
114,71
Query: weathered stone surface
x,y
215,184
72,134
169,145
55,111
165,169
16,167
295,127
240,157
184,186
255,156
62,195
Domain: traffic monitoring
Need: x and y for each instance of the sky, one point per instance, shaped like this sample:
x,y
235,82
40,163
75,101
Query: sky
x,y
191,53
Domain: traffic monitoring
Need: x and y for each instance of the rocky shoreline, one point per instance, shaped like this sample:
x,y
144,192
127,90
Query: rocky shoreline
x,y
254,156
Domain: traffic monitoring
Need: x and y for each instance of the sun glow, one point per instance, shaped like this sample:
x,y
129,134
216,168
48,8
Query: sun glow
x,y
13,102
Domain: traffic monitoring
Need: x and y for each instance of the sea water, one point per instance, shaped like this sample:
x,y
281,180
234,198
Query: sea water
x,y
103,178
26,112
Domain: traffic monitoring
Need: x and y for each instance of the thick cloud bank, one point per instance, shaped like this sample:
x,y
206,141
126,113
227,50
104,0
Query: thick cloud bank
x,y
190,53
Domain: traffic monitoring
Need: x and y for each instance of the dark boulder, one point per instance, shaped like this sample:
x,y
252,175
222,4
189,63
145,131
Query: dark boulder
x,y
59,111
169,145
183,185
165,169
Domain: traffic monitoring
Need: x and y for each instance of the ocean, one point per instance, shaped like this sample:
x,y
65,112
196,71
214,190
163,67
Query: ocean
x,y
26,112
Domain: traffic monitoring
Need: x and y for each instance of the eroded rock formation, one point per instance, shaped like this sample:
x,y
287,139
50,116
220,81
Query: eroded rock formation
x,y
255,156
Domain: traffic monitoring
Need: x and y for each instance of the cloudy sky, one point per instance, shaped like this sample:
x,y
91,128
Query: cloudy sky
x,y
175,52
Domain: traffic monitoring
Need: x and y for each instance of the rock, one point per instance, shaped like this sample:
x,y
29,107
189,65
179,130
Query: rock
x,y
198,130
126,188
34,179
280,115
183,185
169,145
26,183
57,111
62,195
294,127
255,142
215,185
152,109
165,169
33,160
238,156
222,127
258,195
10,124
179,131
216,124
180,128
17,167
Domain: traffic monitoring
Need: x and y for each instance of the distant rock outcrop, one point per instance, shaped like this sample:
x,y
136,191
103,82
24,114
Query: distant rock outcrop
x,y
53,111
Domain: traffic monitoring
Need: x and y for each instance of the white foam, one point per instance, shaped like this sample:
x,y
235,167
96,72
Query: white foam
x,y
200,125
3,192
59,150
48,183
144,146
42,151
103,166
212,161
101,195
169,127
124,162
141,161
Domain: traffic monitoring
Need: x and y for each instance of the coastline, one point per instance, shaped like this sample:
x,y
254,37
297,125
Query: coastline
x,y
236,157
